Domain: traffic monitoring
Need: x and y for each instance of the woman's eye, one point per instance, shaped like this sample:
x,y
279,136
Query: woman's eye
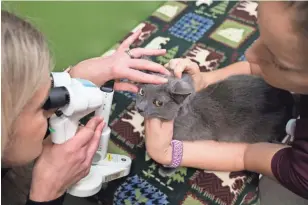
x,y
141,92
157,103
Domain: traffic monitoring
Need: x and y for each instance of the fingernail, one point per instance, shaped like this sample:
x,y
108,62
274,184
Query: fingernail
x,y
164,80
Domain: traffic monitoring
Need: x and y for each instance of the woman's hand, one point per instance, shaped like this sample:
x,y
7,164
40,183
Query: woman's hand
x,y
120,65
158,138
62,165
180,65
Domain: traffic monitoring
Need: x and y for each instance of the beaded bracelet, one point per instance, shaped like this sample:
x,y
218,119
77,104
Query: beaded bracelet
x,y
177,154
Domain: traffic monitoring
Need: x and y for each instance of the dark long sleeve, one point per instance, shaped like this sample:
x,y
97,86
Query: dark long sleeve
x,y
58,201
290,165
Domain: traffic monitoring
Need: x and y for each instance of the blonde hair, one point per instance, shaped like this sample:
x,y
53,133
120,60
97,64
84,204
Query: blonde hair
x,y
25,61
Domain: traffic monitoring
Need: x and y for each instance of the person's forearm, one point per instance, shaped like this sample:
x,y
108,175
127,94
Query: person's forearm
x,y
223,156
214,155
209,155
258,157
238,68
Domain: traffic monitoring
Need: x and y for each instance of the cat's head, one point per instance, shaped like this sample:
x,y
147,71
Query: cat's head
x,y
164,101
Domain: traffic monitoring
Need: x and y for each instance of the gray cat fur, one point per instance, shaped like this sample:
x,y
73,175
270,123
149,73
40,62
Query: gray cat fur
x,y
241,108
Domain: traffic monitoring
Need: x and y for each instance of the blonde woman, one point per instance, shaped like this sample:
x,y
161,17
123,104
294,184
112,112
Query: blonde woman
x,y
26,64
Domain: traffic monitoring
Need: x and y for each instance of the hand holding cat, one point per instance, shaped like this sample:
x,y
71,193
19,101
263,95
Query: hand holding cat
x,y
180,65
122,65
158,138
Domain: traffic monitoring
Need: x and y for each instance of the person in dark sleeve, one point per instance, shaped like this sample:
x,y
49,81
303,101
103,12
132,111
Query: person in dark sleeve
x,y
25,83
290,165
57,201
279,56
289,168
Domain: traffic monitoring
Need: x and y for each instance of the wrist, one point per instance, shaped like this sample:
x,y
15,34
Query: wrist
x,y
163,157
239,68
56,201
167,159
43,190
42,195
242,68
206,79
240,165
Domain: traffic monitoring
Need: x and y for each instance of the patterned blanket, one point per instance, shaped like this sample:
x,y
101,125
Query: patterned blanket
x,y
213,34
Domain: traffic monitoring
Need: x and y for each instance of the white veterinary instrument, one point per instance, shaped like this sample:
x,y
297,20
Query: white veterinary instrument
x,y
75,99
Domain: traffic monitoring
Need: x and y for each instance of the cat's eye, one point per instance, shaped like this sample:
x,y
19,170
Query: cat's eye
x,y
141,92
157,103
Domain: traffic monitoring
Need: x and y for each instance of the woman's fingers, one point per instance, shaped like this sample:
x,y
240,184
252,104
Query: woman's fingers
x,y
141,77
142,64
180,65
179,70
192,67
173,63
177,65
122,86
129,40
85,134
93,145
139,52
94,122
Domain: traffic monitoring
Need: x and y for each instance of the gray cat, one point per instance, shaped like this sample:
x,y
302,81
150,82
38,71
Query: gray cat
x,y
241,108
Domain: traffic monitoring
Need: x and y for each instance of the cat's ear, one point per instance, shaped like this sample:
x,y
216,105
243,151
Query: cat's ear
x,y
180,90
